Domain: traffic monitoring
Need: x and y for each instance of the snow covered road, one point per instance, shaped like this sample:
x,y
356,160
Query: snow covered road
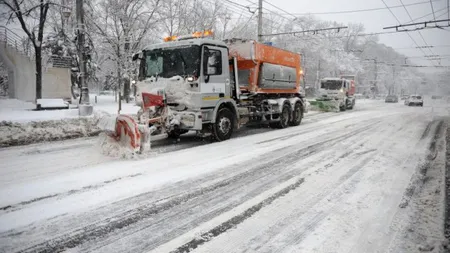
x,y
332,184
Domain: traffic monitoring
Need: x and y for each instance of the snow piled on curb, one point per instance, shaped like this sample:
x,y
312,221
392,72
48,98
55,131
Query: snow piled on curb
x,y
13,133
23,133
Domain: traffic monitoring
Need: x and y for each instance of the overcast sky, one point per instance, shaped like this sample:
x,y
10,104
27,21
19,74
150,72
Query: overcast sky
x,y
374,21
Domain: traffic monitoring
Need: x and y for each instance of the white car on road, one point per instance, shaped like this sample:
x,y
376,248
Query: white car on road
x,y
414,100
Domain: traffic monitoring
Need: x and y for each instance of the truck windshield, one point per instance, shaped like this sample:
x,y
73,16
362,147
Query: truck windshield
x,y
183,61
331,84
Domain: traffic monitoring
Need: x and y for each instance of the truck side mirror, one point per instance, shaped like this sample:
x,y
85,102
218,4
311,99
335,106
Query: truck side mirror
x,y
137,56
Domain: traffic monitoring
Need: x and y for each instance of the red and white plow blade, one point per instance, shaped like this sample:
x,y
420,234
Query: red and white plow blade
x,y
124,129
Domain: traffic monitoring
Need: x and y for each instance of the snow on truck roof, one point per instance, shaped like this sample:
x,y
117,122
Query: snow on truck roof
x,y
187,42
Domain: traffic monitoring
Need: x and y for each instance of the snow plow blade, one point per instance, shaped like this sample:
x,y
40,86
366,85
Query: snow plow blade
x,y
123,129
325,105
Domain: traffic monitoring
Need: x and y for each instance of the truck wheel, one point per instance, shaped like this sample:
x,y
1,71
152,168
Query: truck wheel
x,y
351,106
223,128
343,108
297,114
284,118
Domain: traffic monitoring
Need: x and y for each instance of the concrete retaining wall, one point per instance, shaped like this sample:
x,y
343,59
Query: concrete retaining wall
x,y
56,82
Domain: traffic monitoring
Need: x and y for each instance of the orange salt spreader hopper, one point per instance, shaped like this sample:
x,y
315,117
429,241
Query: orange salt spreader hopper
x,y
266,69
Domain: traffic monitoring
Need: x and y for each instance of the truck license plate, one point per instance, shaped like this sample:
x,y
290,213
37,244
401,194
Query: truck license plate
x,y
188,120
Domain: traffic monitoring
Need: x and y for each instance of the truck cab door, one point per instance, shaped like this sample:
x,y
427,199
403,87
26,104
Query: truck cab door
x,y
216,75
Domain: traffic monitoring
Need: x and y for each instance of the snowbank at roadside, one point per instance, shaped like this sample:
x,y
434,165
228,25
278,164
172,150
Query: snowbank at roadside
x,y
15,133
20,125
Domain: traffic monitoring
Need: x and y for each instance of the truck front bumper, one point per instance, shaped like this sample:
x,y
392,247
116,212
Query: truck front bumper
x,y
190,120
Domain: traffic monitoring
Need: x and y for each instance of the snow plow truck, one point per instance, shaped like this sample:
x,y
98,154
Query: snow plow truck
x,y
195,83
337,93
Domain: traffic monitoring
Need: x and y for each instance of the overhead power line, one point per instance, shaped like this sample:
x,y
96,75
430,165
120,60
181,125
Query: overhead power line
x,y
240,5
425,25
360,10
409,35
421,47
410,17
430,14
432,9
278,8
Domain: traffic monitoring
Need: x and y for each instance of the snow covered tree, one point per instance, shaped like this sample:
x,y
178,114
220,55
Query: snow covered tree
x,y
120,27
32,16
60,41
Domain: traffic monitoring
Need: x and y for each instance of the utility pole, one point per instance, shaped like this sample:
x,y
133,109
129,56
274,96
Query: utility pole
x,y
317,84
260,2
85,108
393,76
375,90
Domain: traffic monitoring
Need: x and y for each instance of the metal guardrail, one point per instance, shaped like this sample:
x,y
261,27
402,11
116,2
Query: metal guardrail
x,y
21,44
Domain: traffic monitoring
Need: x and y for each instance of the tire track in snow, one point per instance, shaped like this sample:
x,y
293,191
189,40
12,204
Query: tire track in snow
x,y
20,205
200,220
335,194
337,190
133,216
236,220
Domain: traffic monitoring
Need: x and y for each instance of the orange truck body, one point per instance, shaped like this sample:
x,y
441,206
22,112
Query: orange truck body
x,y
252,56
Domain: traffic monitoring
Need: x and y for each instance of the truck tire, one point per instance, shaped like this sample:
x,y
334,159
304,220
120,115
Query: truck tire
x,y
284,117
343,108
297,114
223,128
351,105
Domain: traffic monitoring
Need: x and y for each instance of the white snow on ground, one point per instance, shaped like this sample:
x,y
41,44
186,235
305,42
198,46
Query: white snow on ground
x,y
356,166
21,112
52,103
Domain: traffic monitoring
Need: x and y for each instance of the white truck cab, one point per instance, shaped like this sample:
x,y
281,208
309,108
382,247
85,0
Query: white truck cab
x,y
337,90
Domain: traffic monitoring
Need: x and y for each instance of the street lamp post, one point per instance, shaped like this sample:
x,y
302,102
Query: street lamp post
x,y
84,108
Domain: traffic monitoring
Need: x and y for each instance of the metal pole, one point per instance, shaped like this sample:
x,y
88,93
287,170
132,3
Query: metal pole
x,y
393,75
376,76
84,108
260,20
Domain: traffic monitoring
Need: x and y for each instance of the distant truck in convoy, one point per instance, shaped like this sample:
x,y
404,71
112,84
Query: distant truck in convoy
x,y
338,91
194,83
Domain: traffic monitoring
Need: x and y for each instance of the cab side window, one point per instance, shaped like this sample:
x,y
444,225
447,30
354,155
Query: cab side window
x,y
214,62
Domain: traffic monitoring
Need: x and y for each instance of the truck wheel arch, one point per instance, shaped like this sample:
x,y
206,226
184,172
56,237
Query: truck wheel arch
x,y
294,100
230,104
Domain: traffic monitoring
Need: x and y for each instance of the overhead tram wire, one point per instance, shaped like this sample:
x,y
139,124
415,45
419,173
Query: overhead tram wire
x,y
432,9
359,10
271,11
240,7
429,14
275,13
278,8
415,42
420,33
